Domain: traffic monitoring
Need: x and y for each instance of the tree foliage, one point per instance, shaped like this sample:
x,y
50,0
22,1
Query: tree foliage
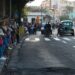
x,y
25,11
64,17
69,9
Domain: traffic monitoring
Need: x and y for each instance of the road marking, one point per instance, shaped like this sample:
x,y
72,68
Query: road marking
x,y
67,39
27,39
37,39
56,38
47,39
74,38
64,42
38,33
32,40
73,46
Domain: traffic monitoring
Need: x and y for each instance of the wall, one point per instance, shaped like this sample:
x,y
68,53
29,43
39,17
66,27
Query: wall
x,y
34,15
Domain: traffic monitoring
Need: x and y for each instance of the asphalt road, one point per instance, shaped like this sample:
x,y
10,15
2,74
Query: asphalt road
x,y
37,51
40,52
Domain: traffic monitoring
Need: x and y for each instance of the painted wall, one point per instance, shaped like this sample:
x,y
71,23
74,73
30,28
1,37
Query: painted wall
x,y
34,15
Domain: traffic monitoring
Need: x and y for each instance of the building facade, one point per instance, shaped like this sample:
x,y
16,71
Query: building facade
x,y
58,7
35,14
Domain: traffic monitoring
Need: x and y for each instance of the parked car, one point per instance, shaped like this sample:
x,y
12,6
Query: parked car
x,y
66,27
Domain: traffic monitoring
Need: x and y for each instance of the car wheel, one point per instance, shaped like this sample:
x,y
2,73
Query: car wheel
x,y
72,33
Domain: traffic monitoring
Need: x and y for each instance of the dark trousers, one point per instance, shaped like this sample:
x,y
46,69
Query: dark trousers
x,y
17,37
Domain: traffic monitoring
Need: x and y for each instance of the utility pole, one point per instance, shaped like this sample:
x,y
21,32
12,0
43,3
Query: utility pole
x,y
41,14
50,4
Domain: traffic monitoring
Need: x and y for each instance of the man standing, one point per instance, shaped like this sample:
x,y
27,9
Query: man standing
x,y
48,30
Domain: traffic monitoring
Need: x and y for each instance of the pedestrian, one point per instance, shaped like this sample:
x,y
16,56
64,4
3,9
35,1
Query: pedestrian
x,y
53,25
1,47
5,38
48,30
29,28
17,35
59,27
32,29
35,28
9,38
13,34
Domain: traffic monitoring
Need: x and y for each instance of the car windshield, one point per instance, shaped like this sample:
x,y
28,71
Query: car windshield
x,y
37,37
67,23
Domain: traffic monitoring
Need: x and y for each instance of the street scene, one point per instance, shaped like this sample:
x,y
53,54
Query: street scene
x,y
37,37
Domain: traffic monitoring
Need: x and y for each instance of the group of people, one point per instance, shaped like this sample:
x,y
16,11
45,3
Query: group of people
x,y
50,27
9,35
32,28
47,31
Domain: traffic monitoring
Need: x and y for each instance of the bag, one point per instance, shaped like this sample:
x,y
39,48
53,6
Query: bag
x,y
1,41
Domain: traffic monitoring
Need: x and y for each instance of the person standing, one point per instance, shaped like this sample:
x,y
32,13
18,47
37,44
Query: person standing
x,y
1,46
5,38
29,28
48,30
17,35
35,28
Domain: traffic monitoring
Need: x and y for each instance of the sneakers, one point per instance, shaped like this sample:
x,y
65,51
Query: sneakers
x,y
3,58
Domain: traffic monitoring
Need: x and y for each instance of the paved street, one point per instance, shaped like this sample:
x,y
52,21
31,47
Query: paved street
x,y
40,52
37,51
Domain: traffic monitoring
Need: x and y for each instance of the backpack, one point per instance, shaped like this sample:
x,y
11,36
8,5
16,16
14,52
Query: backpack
x,y
1,41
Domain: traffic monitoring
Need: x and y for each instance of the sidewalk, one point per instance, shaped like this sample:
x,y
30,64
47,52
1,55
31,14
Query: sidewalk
x,y
4,64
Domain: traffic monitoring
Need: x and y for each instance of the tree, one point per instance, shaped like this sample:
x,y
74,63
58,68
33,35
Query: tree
x,y
25,11
69,9
64,17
